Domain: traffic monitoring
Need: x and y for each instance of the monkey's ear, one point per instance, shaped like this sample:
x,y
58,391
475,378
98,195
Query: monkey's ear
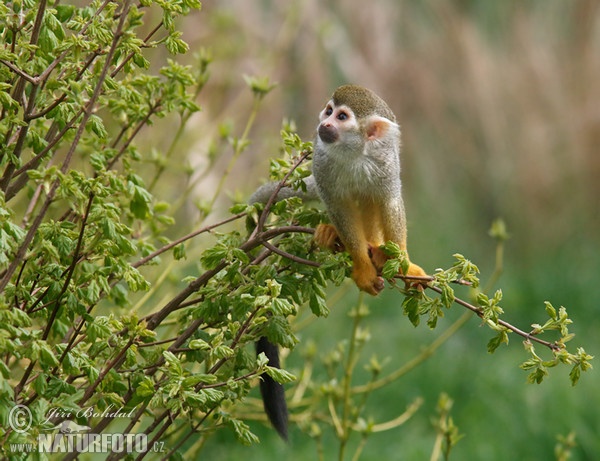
x,y
377,127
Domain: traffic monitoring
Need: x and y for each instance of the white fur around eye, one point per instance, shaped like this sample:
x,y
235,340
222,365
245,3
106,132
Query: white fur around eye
x,y
323,115
349,115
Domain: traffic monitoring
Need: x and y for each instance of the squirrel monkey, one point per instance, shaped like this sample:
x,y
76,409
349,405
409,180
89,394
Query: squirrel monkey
x,y
356,172
356,168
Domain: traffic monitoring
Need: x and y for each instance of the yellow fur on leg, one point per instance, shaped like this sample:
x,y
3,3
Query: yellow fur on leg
x,y
365,275
416,271
326,236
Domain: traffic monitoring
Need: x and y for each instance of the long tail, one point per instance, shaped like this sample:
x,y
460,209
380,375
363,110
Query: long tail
x,y
272,392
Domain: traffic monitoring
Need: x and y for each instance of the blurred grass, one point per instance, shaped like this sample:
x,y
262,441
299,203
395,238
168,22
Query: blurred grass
x,y
499,107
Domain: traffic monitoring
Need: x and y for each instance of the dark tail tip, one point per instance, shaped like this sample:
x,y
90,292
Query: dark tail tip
x,y
272,392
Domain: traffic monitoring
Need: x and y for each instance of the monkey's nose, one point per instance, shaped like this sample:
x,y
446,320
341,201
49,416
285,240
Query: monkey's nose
x,y
328,133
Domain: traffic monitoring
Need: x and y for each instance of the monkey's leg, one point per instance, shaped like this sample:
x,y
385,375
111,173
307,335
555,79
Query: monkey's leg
x,y
326,236
364,273
352,232
372,223
394,229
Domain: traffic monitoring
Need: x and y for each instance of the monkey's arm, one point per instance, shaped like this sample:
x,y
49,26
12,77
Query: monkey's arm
x,y
264,192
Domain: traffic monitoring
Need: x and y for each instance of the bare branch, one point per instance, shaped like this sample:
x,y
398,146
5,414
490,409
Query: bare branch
x,y
19,72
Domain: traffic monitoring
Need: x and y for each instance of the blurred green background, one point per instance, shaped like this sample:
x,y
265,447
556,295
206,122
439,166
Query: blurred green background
x,y
499,104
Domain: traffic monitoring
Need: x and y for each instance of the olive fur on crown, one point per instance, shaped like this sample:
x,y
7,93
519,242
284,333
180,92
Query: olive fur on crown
x,y
362,101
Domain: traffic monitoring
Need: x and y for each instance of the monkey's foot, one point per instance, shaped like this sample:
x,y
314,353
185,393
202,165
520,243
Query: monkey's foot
x,y
368,280
416,271
326,236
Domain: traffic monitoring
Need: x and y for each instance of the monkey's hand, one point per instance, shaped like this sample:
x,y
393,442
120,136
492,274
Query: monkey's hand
x,y
379,258
364,273
326,236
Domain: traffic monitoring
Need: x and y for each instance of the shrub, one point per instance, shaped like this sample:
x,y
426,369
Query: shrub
x,y
82,230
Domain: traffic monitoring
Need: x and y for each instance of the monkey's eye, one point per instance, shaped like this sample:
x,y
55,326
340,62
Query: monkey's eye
x,y
342,116
328,111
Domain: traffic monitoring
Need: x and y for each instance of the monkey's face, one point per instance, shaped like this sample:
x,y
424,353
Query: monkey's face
x,y
340,130
337,124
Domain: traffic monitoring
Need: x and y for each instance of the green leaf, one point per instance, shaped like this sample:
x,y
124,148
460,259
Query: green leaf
x,y
212,257
550,310
97,127
47,358
98,329
48,41
173,363
433,306
283,307
496,341
410,307
391,249
179,252
141,61
6,373
40,384
7,102
279,375
261,360
64,12
145,387
140,201
278,331
175,45
239,207
57,387
199,378
537,376
447,295
391,268
222,352
193,4
318,305
199,344
242,432
20,318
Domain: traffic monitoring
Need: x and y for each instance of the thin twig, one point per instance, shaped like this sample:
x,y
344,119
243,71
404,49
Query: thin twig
x,y
19,72
273,198
189,236
290,256
71,269
552,346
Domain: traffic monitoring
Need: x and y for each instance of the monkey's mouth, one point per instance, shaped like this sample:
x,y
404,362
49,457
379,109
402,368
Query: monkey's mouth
x,y
328,134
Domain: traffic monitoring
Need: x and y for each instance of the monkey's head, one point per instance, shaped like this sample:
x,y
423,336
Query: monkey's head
x,y
353,116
